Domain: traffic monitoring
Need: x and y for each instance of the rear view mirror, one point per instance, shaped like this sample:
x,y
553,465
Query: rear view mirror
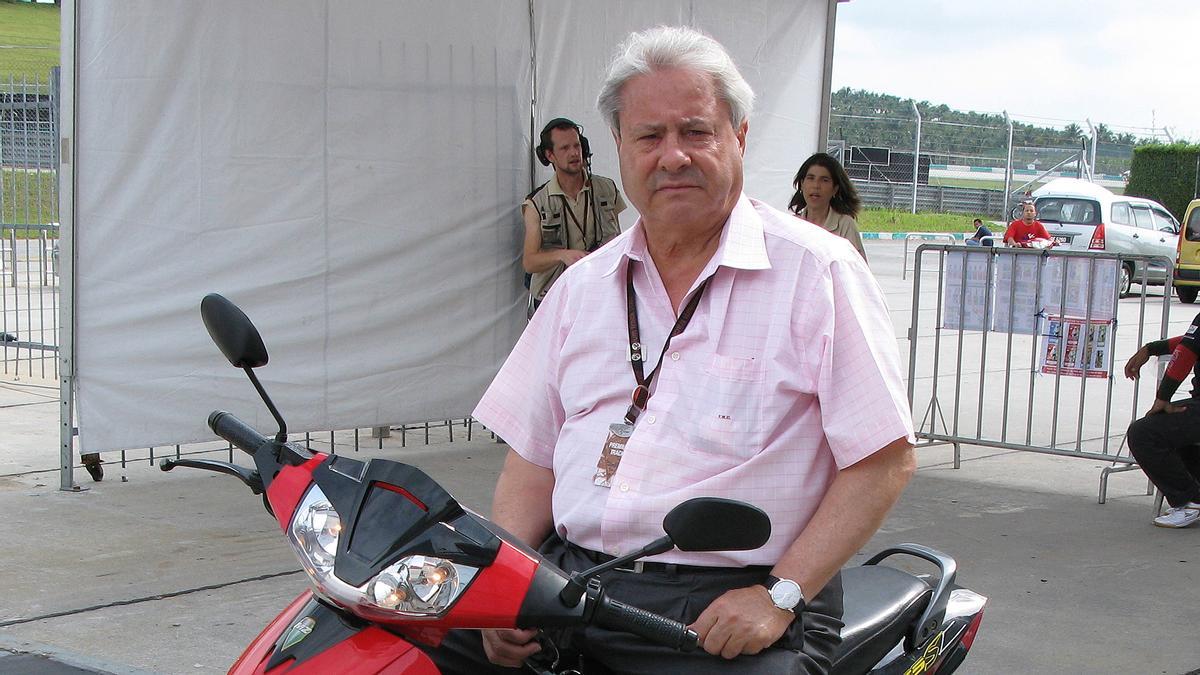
x,y
716,524
233,332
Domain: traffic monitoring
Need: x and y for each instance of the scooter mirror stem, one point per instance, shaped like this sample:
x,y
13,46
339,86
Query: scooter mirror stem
x,y
577,586
280,437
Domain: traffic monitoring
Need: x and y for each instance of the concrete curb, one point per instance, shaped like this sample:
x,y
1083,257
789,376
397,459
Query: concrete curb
x,y
905,235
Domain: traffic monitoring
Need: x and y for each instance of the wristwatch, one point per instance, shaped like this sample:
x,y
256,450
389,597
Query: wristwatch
x,y
785,593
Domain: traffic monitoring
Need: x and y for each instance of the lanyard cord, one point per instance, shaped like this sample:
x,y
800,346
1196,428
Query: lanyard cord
x,y
582,227
641,393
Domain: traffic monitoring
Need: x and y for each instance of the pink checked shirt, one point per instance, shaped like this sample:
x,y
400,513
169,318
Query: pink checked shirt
x,y
787,372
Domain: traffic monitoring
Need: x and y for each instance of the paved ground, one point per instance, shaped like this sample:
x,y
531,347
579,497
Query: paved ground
x,y
176,573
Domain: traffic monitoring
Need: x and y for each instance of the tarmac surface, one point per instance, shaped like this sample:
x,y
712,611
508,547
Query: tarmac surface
x,y
152,572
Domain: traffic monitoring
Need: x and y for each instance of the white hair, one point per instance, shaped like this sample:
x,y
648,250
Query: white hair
x,y
674,47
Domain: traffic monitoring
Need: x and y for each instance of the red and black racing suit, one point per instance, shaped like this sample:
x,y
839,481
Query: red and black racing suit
x,y
1167,445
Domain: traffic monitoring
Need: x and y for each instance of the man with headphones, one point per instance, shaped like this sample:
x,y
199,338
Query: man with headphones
x,y
572,214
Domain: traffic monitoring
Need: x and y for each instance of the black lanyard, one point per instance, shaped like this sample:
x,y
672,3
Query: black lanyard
x,y
641,393
582,227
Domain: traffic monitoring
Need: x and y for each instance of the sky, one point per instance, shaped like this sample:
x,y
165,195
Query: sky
x,y
1129,65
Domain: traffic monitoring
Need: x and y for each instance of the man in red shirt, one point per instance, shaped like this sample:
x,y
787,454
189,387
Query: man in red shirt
x,y
1027,231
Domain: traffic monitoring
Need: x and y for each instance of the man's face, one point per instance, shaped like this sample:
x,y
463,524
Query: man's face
x,y
565,153
1029,213
681,159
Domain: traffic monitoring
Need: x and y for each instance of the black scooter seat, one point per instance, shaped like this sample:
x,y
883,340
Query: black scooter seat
x,y
881,605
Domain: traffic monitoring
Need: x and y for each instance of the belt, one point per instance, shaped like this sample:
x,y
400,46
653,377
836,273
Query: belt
x,y
653,567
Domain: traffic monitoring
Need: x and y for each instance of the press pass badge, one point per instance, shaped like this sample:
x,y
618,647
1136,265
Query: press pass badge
x,y
610,455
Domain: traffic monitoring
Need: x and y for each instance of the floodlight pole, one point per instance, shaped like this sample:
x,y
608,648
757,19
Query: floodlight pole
x,y
916,156
1008,167
1095,138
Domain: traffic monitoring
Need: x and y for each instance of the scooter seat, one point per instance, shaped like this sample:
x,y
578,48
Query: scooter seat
x,y
881,605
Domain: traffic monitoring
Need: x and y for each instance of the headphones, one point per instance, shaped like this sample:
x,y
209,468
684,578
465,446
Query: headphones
x,y
544,144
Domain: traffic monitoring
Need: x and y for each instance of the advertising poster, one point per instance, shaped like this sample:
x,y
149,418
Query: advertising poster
x,y
965,301
1016,294
1076,351
1082,274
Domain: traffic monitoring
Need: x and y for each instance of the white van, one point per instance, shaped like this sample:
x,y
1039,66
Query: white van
x,y
1083,216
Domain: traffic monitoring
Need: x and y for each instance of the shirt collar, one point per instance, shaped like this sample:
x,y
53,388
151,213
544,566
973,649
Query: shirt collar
x,y
742,246
552,187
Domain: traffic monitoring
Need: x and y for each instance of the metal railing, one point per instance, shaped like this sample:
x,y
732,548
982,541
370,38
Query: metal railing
x,y
29,301
932,198
332,442
29,288
920,236
1018,350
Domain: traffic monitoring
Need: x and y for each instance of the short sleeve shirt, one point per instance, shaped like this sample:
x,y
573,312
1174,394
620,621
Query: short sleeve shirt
x,y
787,372
1021,233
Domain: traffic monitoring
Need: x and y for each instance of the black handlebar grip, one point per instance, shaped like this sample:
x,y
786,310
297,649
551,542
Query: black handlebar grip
x,y
616,615
229,427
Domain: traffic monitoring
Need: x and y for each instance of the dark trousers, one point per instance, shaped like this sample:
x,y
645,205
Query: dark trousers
x,y
1165,446
806,648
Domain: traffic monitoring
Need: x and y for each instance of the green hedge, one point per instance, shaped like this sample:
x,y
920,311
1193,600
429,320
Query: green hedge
x,y
1166,174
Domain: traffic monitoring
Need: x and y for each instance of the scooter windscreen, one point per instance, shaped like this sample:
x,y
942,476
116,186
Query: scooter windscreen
x,y
382,539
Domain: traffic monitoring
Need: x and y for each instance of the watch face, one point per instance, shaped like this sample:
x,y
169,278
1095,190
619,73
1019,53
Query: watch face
x,y
786,594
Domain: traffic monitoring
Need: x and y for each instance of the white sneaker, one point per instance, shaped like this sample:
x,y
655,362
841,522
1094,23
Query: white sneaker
x,y
1179,516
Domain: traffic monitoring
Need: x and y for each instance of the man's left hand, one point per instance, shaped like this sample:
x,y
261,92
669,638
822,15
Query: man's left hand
x,y
1161,406
742,621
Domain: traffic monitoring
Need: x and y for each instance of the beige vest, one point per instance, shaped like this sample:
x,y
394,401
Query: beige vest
x,y
563,227
552,210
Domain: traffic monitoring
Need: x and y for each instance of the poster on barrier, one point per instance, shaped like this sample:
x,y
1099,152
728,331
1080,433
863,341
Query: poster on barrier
x,y
1070,349
965,300
1099,275
1016,294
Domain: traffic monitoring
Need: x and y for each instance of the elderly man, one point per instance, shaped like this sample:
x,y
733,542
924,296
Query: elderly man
x,y
760,357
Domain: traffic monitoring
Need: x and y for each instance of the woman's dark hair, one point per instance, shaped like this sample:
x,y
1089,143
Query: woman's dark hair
x,y
845,201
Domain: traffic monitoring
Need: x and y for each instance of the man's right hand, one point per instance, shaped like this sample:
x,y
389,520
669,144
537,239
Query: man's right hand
x,y
570,256
1134,365
510,647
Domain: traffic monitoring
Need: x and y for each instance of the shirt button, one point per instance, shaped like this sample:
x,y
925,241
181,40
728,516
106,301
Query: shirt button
x,y
650,419
624,487
674,356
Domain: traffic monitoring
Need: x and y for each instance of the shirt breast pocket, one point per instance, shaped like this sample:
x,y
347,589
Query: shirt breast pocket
x,y
728,408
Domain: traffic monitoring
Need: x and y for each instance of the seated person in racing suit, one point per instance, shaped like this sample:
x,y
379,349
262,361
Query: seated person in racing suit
x,y
1164,442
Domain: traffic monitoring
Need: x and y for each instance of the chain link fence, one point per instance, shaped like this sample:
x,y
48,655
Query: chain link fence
x,y
980,166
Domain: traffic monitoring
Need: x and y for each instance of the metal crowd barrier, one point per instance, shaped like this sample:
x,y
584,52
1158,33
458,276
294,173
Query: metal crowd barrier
x,y
920,236
1018,334
29,300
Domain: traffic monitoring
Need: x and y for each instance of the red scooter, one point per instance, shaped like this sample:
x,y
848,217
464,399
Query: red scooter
x,y
394,560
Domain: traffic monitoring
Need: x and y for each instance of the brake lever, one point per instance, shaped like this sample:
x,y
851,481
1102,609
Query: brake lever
x,y
249,477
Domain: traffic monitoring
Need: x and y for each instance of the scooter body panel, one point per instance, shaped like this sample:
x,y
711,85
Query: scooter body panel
x,y
288,488
310,638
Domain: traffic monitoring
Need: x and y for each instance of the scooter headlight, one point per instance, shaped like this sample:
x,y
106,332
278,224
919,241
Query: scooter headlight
x,y
415,585
418,585
314,533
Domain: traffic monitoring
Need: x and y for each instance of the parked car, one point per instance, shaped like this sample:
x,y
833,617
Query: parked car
x,y
1083,216
1187,259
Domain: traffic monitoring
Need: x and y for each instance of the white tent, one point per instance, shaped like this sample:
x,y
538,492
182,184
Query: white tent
x,y
348,172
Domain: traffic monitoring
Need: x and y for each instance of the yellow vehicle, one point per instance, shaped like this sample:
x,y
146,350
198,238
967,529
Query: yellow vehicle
x,y
1187,259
